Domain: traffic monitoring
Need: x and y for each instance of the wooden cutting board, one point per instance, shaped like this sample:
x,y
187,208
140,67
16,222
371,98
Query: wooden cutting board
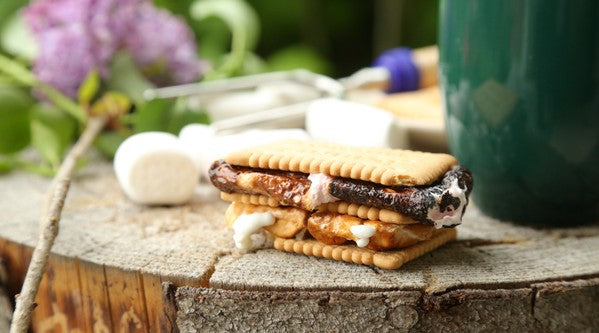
x,y
117,266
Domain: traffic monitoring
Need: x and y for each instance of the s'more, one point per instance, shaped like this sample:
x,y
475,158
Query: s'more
x,y
372,206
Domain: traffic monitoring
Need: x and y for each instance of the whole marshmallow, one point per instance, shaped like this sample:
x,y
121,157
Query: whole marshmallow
x,y
214,147
196,138
241,103
155,168
353,124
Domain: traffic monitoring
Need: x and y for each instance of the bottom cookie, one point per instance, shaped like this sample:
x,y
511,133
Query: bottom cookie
x,y
354,254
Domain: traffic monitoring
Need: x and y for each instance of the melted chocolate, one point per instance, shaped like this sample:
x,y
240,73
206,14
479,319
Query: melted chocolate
x,y
289,187
412,201
286,187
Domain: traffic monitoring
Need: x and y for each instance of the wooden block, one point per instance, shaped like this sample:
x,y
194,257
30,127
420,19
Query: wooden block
x,y
16,258
127,300
59,298
157,320
94,292
5,306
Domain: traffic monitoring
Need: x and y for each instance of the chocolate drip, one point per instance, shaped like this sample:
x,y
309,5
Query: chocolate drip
x,y
411,201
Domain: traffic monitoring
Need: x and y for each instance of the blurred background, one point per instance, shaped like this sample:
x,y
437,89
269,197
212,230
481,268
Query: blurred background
x,y
64,60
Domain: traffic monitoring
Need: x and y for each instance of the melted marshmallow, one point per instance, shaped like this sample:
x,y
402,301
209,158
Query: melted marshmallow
x,y
451,217
363,233
246,225
318,193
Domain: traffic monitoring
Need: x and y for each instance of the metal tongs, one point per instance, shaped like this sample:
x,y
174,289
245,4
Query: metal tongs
x,y
390,72
204,91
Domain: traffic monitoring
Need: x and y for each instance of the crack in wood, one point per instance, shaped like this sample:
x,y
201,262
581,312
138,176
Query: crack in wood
x,y
533,301
205,282
476,242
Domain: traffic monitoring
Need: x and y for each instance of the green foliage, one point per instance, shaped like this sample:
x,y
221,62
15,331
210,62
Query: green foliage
x,y
165,115
108,142
299,56
111,104
14,119
89,88
5,165
22,75
181,115
47,143
152,116
243,22
127,79
52,132
16,39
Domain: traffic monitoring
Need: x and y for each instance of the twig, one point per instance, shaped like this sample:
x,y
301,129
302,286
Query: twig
x,y
49,227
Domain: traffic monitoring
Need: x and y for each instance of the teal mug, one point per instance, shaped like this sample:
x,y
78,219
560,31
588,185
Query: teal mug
x,y
520,83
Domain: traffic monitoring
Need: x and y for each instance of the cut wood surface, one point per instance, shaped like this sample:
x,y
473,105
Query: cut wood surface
x,y
5,306
118,266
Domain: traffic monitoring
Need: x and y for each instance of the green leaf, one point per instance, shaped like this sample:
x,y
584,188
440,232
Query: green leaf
x,y
298,56
63,124
6,165
7,8
152,116
127,79
243,22
52,132
14,119
185,117
108,142
112,104
47,142
16,38
38,168
89,87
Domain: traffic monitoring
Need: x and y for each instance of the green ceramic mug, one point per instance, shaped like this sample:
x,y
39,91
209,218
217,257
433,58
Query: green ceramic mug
x,y
520,81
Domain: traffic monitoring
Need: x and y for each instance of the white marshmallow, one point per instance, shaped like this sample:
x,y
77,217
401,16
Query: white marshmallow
x,y
241,103
363,233
155,168
246,225
353,124
215,147
196,138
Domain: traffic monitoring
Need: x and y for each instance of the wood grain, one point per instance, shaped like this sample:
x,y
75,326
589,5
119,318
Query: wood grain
x,y
117,266
5,306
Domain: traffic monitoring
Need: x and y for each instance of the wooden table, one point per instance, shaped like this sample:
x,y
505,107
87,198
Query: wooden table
x,y
119,266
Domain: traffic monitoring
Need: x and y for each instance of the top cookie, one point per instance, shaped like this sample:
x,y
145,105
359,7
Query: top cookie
x,y
379,165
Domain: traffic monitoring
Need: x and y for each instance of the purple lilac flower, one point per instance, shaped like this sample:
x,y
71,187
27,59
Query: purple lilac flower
x,y
163,47
67,57
76,36
50,14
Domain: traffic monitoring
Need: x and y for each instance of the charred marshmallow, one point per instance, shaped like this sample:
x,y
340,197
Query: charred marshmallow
x,y
450,216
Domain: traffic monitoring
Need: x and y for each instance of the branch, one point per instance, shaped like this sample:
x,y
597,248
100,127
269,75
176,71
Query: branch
x,y
49,227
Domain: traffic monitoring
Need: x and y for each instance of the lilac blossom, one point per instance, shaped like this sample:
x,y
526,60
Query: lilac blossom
x,y
163,47
50,14
76,36
67,57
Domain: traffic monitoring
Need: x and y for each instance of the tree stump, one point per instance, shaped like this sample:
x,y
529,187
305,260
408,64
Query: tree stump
x,y
117,266
5,306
